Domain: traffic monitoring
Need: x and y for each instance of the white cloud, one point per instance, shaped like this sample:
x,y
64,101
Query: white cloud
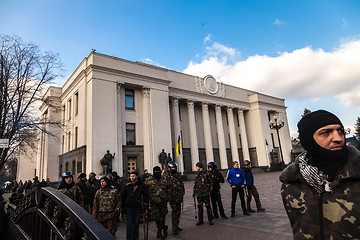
x,y
302,73
278,22
207,38
345,22
151,62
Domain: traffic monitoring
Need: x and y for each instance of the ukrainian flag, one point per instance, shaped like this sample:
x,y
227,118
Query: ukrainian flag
x,y
178,146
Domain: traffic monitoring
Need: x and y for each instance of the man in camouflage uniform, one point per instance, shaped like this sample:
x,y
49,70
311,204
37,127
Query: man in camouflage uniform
x,y
156,186
81,184
176,191
321,190
92,185
67,187
107,205
202,188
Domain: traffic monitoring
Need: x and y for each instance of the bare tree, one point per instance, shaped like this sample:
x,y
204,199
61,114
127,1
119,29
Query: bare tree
x,y
25,73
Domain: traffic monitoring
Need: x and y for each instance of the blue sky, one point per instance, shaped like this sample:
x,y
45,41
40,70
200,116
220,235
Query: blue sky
x,y
305,51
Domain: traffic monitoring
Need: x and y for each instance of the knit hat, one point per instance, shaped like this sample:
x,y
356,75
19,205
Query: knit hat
x,y
82,175
326,160
200,165
311,122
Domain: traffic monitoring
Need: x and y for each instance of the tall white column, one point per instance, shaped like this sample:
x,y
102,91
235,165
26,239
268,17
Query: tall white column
x,y
193,136
244,141
119,164
221,138
233,143
207,133
148,161
177,129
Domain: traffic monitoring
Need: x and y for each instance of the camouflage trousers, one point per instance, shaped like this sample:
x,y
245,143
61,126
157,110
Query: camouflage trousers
x,y
252,191
109,223
201,201
175,214
158,213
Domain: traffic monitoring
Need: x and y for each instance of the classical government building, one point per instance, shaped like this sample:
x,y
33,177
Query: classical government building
x,y
135,110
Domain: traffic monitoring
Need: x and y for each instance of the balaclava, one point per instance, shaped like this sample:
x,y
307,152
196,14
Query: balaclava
x,y
157,172
326,160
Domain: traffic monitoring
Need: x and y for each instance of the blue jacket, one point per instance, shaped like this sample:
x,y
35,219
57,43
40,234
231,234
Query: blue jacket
x,y
249,177
235,177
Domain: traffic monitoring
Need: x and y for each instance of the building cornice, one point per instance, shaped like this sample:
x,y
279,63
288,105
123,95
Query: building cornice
x,y
201,97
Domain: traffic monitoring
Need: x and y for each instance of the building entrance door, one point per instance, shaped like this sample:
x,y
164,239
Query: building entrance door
x,y
131,164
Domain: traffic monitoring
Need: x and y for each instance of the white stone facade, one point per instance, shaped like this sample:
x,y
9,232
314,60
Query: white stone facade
x,y
217,122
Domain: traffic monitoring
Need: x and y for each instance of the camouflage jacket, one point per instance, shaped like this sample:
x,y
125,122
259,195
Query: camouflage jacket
x,y
74,193
157,189
107,199
333,215
175,186
203,183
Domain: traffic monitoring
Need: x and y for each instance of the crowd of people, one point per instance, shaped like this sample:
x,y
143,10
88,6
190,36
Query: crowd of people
x,y
110,201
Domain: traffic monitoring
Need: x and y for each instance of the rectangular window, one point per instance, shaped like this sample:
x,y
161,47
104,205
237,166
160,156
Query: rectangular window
x,y
76,138
79,167
63,144
130,133
129,99
69,140
66,167
73,167
60,169
69,109
76,103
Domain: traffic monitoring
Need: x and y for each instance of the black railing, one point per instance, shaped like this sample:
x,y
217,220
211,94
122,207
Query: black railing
x,y
46,214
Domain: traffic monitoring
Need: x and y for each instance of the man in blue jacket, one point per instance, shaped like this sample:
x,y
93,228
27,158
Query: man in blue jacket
x,y
236,179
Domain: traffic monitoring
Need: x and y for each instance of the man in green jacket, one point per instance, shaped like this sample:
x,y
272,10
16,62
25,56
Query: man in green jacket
x,y
157,189
202,188
321,190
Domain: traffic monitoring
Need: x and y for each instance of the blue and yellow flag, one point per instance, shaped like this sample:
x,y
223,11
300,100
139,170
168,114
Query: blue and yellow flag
x,y
178,146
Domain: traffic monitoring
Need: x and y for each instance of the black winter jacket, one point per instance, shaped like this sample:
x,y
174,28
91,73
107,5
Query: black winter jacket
x,y
131,195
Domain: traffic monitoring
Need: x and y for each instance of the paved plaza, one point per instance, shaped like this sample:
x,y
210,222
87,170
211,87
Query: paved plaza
x,y
271,224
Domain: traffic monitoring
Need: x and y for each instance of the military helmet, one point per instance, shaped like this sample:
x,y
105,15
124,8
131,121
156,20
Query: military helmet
x,y
212,165
92,174
172,164
66,174
104,177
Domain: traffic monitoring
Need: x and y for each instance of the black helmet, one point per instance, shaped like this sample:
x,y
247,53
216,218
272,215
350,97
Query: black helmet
x,y
212,165
172,164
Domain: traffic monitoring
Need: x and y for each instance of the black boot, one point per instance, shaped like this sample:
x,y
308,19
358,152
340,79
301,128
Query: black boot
x,y
159,234
210,219
165,231
200,220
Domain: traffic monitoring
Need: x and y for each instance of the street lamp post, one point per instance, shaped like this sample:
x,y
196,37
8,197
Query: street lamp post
x,y
277,125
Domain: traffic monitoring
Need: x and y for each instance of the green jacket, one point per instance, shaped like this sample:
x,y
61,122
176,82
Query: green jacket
x,y
333,215
157,189
175,186
203,183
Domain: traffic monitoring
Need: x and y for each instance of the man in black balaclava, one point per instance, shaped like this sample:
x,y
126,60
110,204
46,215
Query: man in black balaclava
x,y
157,189
321,190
